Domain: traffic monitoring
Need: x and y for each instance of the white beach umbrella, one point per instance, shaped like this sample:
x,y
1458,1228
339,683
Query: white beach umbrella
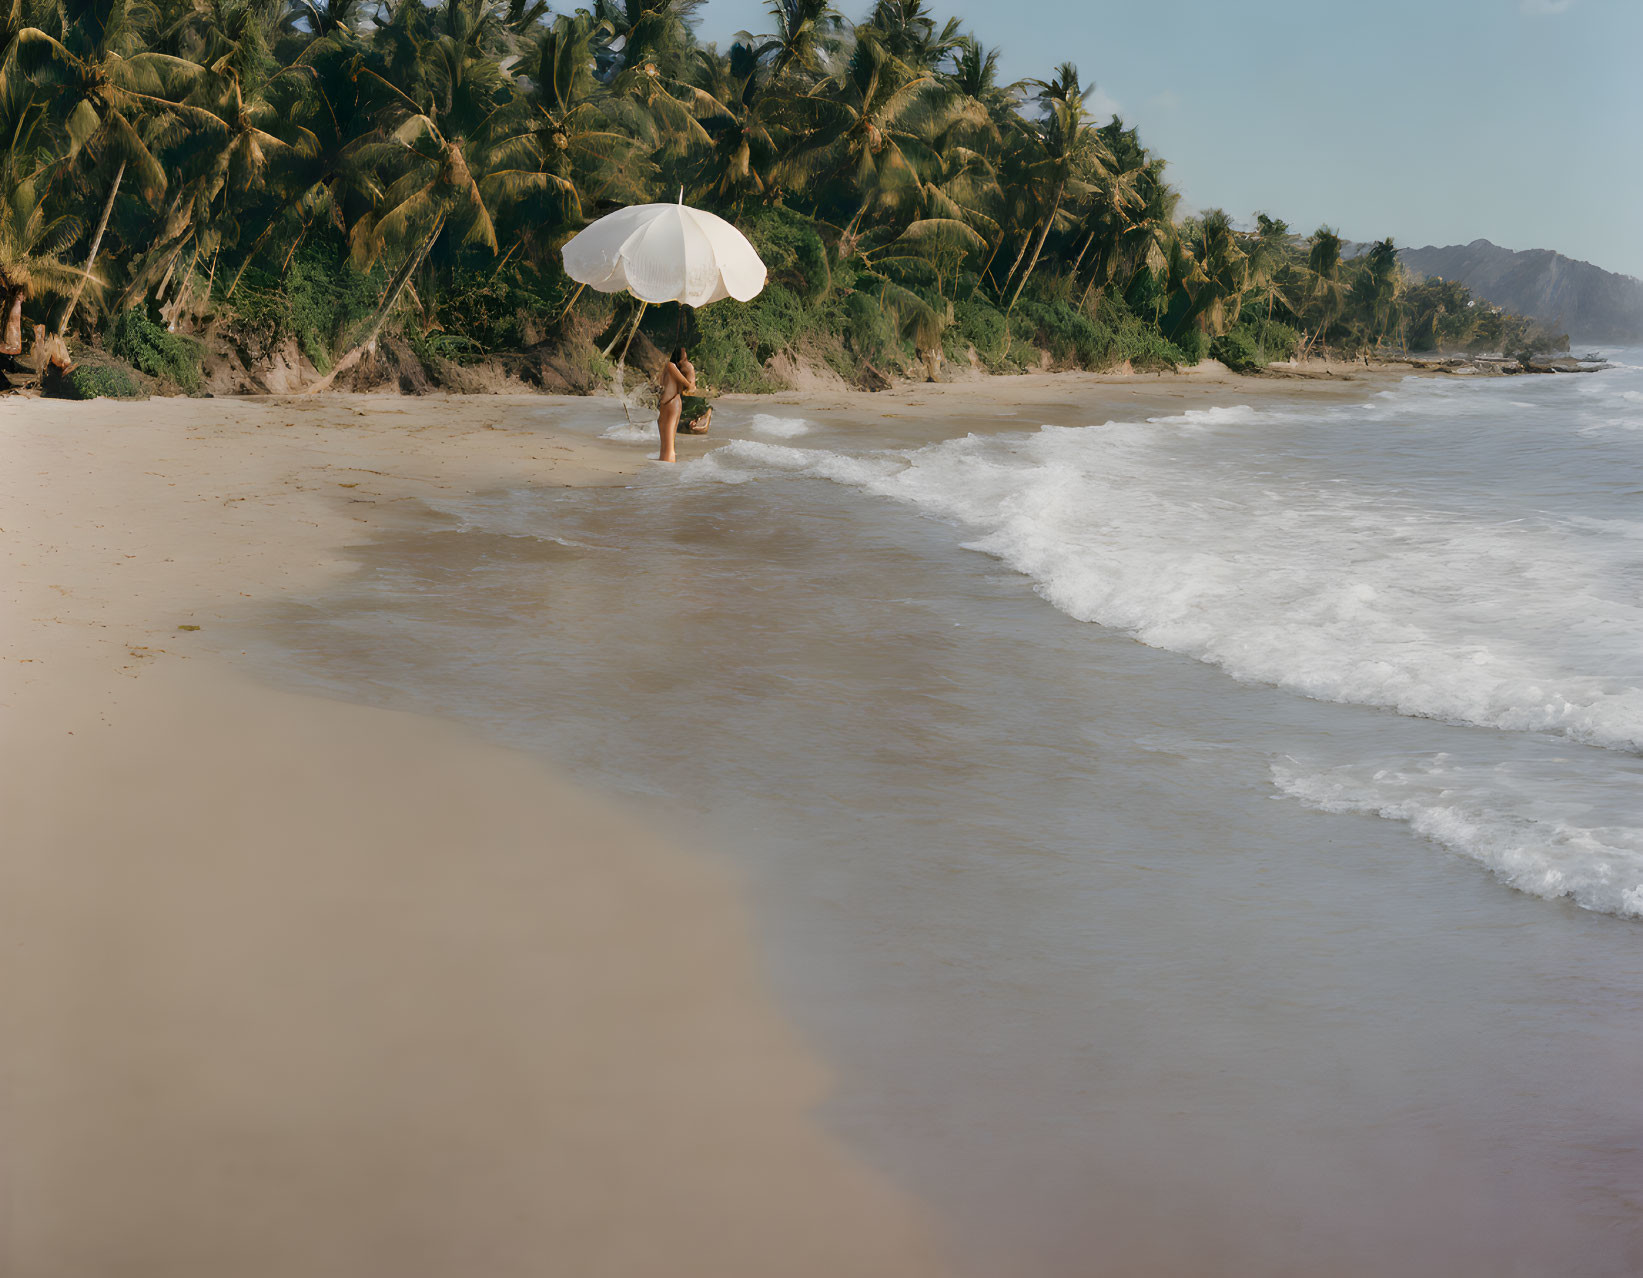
x,y
666,253
662,253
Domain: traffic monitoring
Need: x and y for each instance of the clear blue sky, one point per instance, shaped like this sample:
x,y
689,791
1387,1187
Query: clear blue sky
x,y
1433,121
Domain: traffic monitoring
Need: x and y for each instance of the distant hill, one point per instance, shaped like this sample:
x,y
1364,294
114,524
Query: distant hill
x,y
1585,301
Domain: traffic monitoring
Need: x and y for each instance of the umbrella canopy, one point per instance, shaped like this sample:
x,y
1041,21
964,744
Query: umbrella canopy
x,y
666,253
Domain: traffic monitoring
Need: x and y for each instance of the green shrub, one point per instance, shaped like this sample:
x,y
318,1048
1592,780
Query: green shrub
x,y
980,325
829,348
733,342
867,329
776,318
1137,340
1193,345
1238,349
328,300
261,313
1251,345
318,301
454,348
724,352
99,381
1278,340
792,249
496,312
171,357
1100,338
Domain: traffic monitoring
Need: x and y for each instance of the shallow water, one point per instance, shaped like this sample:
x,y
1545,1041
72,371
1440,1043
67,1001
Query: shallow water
x,y
1119,962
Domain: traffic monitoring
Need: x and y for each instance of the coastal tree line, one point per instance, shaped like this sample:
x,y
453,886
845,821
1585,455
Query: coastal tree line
x,y
331,175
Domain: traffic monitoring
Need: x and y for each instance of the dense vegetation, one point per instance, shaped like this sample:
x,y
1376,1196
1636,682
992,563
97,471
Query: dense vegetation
x,y
321,176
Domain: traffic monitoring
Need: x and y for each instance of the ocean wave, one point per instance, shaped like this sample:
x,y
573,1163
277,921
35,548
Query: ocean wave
x,y
1205,418
1531,825
1528,625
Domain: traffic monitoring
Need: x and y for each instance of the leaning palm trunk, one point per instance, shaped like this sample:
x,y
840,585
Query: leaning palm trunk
x,y
988,266
855,222
1313,341
170,269
1004,286
261,240
1096,273
1044,234
396,286
179,296
1078,261
96,243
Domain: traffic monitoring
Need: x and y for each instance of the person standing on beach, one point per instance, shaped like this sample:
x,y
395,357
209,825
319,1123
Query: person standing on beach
x,y
678,380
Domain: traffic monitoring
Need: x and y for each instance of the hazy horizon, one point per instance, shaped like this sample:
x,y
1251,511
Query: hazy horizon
x,y
1488,112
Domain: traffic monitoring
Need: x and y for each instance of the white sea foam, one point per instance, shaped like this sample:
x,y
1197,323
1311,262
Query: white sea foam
x,y
780,427
1336,593
1230,415
742,460
1534,826
627,433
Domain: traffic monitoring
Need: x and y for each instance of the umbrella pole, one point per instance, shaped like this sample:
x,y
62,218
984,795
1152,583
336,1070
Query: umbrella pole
x,y
623,358
636,320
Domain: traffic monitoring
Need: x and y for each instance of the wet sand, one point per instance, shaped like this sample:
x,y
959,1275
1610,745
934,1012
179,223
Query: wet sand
x,y
300,987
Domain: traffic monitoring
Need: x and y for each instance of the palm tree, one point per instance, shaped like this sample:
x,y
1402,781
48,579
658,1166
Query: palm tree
x,y
586,153
322,96
1268,250
32,242
806,35
974,73
1215,288
232,152
458,182
455,165
743,154
1325,294
963,186
224,139
1064,151
1125,200
628,34
103,83
1383,284
909,33
864,129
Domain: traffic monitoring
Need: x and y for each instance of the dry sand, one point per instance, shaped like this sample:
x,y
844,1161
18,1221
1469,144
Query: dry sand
x,y
299,988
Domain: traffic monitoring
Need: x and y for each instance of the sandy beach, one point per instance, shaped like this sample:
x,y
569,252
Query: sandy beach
x,y
303,987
